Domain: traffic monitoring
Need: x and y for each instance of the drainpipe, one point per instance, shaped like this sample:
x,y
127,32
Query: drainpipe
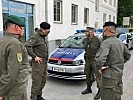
x,y
46,10
46,16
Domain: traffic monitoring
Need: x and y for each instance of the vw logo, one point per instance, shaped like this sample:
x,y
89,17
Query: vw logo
x,y
59,62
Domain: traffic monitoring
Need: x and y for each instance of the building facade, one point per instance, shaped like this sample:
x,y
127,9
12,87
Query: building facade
x,y
65,16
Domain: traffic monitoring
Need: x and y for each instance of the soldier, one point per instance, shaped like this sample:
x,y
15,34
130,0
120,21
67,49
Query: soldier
x,y
91,45
110,61
13,61
38,50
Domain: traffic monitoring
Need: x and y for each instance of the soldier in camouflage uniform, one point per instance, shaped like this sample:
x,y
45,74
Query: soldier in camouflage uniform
x,y
91,45
110,61
38,50
13,62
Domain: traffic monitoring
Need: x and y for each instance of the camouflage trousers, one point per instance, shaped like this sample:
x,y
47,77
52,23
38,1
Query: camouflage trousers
x,y
111,89
39,73
22,96
89,70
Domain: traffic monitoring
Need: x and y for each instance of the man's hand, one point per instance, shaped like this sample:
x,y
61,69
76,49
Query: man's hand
x,y
102,68
1,98
38,59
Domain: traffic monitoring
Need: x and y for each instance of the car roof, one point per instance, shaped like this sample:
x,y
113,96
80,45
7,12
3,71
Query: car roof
x,y
78,34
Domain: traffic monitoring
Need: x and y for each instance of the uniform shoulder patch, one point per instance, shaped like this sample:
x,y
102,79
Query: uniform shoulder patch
x,y
19,57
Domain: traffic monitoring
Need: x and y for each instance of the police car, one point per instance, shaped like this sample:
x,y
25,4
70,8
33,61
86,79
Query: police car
x,y
67,61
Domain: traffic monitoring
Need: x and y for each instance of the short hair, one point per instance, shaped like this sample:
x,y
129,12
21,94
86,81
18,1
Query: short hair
x,y
7,24
106,24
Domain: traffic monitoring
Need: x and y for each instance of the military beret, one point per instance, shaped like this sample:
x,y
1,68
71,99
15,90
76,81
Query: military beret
x,y
15,20
109,24
45,25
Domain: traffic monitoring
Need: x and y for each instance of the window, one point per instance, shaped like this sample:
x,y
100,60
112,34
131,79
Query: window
x,y
96,25
57,42
113,18
30,25
29,9
104,18
74,14
114,3
57,10
110,2
17,7
109,17
5,5
5,15
86,16
97,5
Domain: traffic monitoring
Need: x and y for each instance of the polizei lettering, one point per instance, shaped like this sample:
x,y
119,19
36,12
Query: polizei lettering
x,y
67,53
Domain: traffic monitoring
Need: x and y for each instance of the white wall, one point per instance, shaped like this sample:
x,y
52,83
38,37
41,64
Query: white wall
x,y
39,12
64,29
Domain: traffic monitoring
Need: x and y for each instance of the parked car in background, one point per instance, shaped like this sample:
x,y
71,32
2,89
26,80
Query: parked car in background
x,y
99,35
127,39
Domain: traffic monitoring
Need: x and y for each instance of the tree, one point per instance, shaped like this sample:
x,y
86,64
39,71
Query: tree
x,y
125,9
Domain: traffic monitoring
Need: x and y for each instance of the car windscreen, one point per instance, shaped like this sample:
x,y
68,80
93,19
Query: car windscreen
x,y
73,42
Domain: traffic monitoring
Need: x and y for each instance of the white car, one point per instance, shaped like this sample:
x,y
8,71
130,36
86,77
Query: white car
x,y
127,39
67,61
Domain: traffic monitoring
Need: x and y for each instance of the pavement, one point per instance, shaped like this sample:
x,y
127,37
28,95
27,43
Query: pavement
x,y
60,89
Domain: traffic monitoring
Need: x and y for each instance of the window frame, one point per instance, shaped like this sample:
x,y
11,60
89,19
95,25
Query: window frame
x,y
110,17
57,11
74,14
104,17
115,3
96,5
86,15
110,2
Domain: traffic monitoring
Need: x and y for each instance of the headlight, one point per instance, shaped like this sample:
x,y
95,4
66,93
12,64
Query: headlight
x,y
78,62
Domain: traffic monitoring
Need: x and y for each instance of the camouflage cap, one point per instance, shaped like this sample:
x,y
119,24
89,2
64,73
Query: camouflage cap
x,y
89,28
15,20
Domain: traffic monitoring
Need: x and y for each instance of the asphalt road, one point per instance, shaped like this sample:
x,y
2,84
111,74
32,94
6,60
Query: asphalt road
x,y
60,89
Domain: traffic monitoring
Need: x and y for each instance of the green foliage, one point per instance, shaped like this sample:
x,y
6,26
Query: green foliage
x,y
125,9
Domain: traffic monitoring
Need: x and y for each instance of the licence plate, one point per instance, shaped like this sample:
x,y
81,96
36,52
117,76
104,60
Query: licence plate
x,y
57,69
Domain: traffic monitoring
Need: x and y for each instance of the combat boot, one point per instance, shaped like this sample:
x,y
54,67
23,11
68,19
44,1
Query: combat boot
x,y
39,97
98,95
87,90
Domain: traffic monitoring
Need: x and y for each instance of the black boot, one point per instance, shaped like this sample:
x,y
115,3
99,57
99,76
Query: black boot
x,y
39,97
88,90
98,95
